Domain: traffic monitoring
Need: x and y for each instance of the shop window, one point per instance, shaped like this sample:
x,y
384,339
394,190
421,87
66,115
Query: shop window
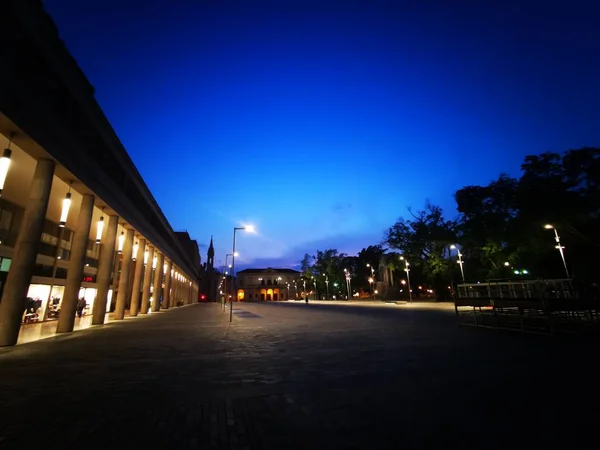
x,y
5,264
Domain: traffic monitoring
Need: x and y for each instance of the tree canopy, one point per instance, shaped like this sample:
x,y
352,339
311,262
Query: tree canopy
x,y
499,229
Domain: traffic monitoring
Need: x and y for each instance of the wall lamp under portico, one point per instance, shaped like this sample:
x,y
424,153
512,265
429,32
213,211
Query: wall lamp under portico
x,y
66,205
5,162
120,242
136,247
146,256
154,262
100,228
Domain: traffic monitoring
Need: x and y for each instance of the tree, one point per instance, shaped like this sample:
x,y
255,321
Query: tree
x,y
306,266
487,228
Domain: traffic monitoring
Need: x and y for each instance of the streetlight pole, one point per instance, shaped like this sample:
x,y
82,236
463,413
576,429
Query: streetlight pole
x,y
348,285
225,271
407,270
460,261
315,286
326,286
559,247
304,290
250,229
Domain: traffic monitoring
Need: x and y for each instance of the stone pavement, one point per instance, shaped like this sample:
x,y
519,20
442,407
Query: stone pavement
x,y
296,376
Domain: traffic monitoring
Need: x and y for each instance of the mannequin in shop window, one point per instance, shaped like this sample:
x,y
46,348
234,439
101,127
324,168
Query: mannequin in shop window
x,y
32,310
81,304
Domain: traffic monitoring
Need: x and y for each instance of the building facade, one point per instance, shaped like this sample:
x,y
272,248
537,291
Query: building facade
x,y
267,284
80,232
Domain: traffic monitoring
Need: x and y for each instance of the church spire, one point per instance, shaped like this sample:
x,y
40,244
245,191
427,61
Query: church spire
x,y
211,254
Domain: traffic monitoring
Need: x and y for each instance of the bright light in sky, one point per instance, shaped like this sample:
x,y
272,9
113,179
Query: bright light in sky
x,y
322,124
249,228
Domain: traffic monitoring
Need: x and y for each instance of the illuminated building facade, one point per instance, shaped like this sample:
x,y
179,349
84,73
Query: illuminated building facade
x,y
80,232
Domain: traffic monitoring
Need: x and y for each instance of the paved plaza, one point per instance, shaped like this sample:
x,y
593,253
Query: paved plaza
x,y
296,376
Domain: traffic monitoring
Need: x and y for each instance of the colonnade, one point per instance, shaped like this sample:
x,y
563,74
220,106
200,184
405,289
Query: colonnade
x,y
143,276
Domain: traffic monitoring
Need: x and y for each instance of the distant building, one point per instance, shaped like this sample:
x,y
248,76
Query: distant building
x,y
191,250
267,284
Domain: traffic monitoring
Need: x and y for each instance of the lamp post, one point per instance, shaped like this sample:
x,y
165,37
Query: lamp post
x,y
304,290
348,283
288,290
559,247
249,229
314,280
371,284
295,290
407,270
460,261
225,278
326,286
372,270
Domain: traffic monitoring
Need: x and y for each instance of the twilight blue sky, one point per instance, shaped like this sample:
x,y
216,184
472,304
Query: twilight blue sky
x,y
320,122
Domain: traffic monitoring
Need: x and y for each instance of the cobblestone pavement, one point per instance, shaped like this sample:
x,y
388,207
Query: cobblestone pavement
x,y
297,376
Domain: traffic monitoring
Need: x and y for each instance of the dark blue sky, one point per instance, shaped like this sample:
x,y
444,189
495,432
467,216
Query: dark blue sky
x,y
321,122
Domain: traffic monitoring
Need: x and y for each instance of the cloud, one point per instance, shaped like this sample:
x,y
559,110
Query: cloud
x,y
350,244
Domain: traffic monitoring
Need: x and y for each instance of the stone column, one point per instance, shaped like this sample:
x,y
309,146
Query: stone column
x,y
157,290
147,282
12,306
124,278
137,278
167,291
105,267
68,306
176,287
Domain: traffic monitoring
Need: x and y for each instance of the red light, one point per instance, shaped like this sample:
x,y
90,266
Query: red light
x,y
203,297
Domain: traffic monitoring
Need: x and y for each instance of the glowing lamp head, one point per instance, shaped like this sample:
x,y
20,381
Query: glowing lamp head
x,y
250,229
136,248
99,229
236,254
548,226
154,262
66,205
4,165
165,268
146,256
121,242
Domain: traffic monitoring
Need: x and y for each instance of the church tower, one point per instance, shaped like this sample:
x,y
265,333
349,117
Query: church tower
x,y
210,262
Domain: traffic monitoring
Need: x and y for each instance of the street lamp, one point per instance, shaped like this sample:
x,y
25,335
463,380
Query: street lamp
x,y
460,261
326,286
559,247
372,270
225,278
304,290
288,290
348,283
315,286
407,270
249,229
371,284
